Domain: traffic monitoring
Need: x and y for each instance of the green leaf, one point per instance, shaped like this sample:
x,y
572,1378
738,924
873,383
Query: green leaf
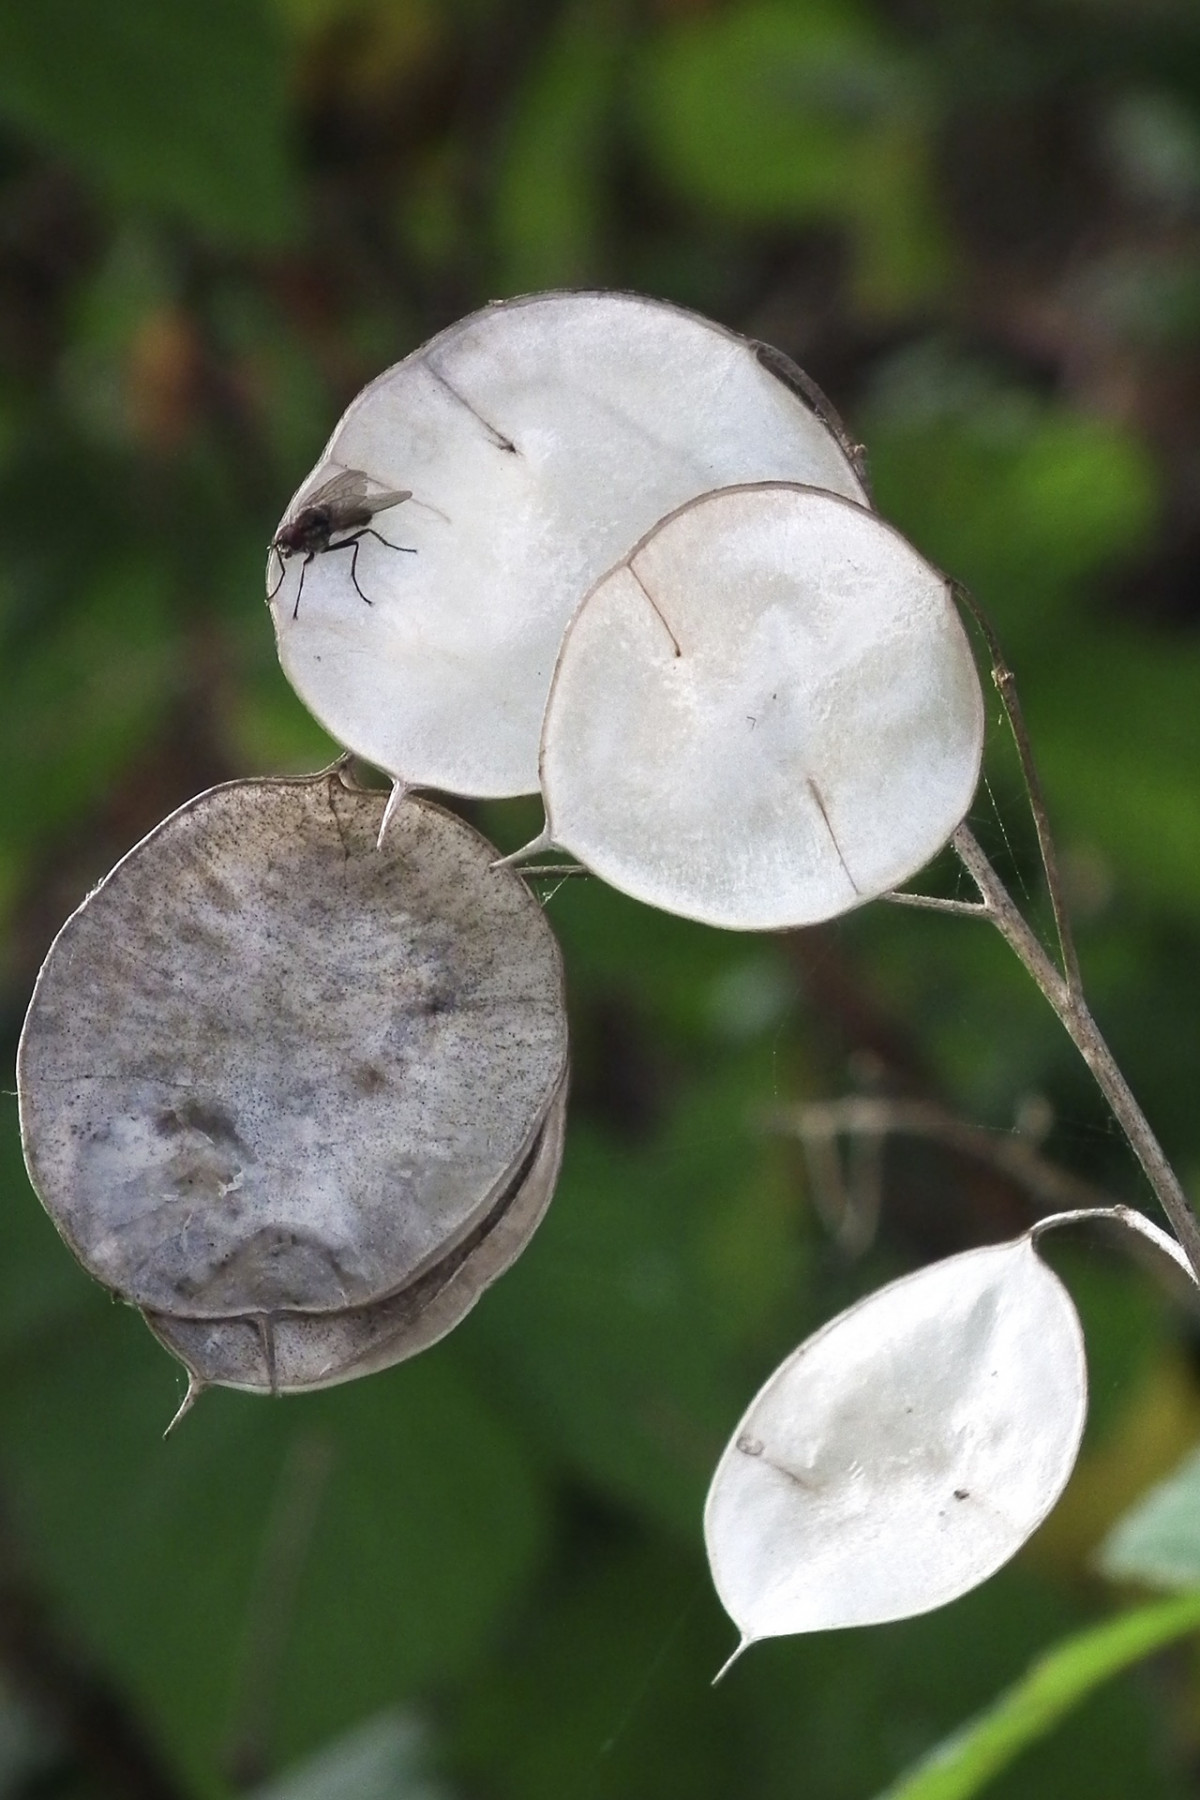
x,y
603,1693
853,1709
1027,501
275,1571
1058,1681
604,1335
1131,791
774,114
550,210
1158,1541
79,714
41,1284
179,106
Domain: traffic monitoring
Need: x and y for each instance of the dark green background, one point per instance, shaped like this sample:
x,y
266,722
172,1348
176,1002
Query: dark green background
x,y
978,226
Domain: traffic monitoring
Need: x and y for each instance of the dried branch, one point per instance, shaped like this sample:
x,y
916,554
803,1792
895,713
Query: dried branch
x,y
1068,1002
874,1118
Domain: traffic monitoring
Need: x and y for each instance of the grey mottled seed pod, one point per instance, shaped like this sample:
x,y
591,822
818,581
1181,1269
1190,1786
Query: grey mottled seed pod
x,y
273,1076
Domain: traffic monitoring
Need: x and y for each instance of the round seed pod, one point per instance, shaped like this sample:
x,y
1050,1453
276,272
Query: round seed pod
x,y
764,715
423,574
290,1351
270,1069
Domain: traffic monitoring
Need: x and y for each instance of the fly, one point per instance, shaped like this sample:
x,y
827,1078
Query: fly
x,y
341,504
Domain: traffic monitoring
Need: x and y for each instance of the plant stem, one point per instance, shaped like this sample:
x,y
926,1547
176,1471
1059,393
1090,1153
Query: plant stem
x,y
1066,997
929,903
1006,686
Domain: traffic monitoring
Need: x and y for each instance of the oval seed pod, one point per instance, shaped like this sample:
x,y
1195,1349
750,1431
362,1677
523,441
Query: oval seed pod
x,y
269,1068
905,1452
287,1352
766,714
424,572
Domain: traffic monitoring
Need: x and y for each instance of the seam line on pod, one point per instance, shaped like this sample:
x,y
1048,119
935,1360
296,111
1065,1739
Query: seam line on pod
x,y
498,437
657,609
817,795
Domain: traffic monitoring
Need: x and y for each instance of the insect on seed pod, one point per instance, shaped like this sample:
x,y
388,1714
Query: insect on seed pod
x,y
537,440
341,504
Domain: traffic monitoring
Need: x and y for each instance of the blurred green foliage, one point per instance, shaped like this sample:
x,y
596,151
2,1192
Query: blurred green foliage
x,y
971,1756
979,229
1158,1542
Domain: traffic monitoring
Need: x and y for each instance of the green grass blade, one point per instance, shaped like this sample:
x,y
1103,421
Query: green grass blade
x,y
961,1764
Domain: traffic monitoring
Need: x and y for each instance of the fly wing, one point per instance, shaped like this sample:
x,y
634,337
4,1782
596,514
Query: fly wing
x,y
347,488
347,491
377,503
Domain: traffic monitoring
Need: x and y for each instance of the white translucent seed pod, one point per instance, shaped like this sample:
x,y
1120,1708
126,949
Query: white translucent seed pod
x,y
904,1452
764,715
424,572
270,1069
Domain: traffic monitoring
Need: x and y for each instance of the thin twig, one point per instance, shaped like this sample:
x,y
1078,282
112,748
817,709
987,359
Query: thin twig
x,y
1006,687
1068,1002
852,1226
880,1116
930,903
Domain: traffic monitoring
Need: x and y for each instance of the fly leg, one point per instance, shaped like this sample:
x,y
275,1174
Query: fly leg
x,y
353,543
370,531
300,589
282,572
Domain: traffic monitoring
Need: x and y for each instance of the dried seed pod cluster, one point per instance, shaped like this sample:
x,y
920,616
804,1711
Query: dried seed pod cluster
x,y
297,1097
300,1098
762,705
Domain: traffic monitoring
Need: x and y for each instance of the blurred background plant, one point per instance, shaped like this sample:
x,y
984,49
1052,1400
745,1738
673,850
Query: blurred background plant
x,y
979,229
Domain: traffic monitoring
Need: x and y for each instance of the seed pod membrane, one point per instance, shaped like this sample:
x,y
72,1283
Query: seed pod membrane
x,y
269,1069
903,1453
764,715
537,439
289,1351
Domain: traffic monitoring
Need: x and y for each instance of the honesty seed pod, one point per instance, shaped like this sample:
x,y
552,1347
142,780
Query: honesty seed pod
x,y
904,1452
306,1350
298,1098
911,1446
524,449
765,714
